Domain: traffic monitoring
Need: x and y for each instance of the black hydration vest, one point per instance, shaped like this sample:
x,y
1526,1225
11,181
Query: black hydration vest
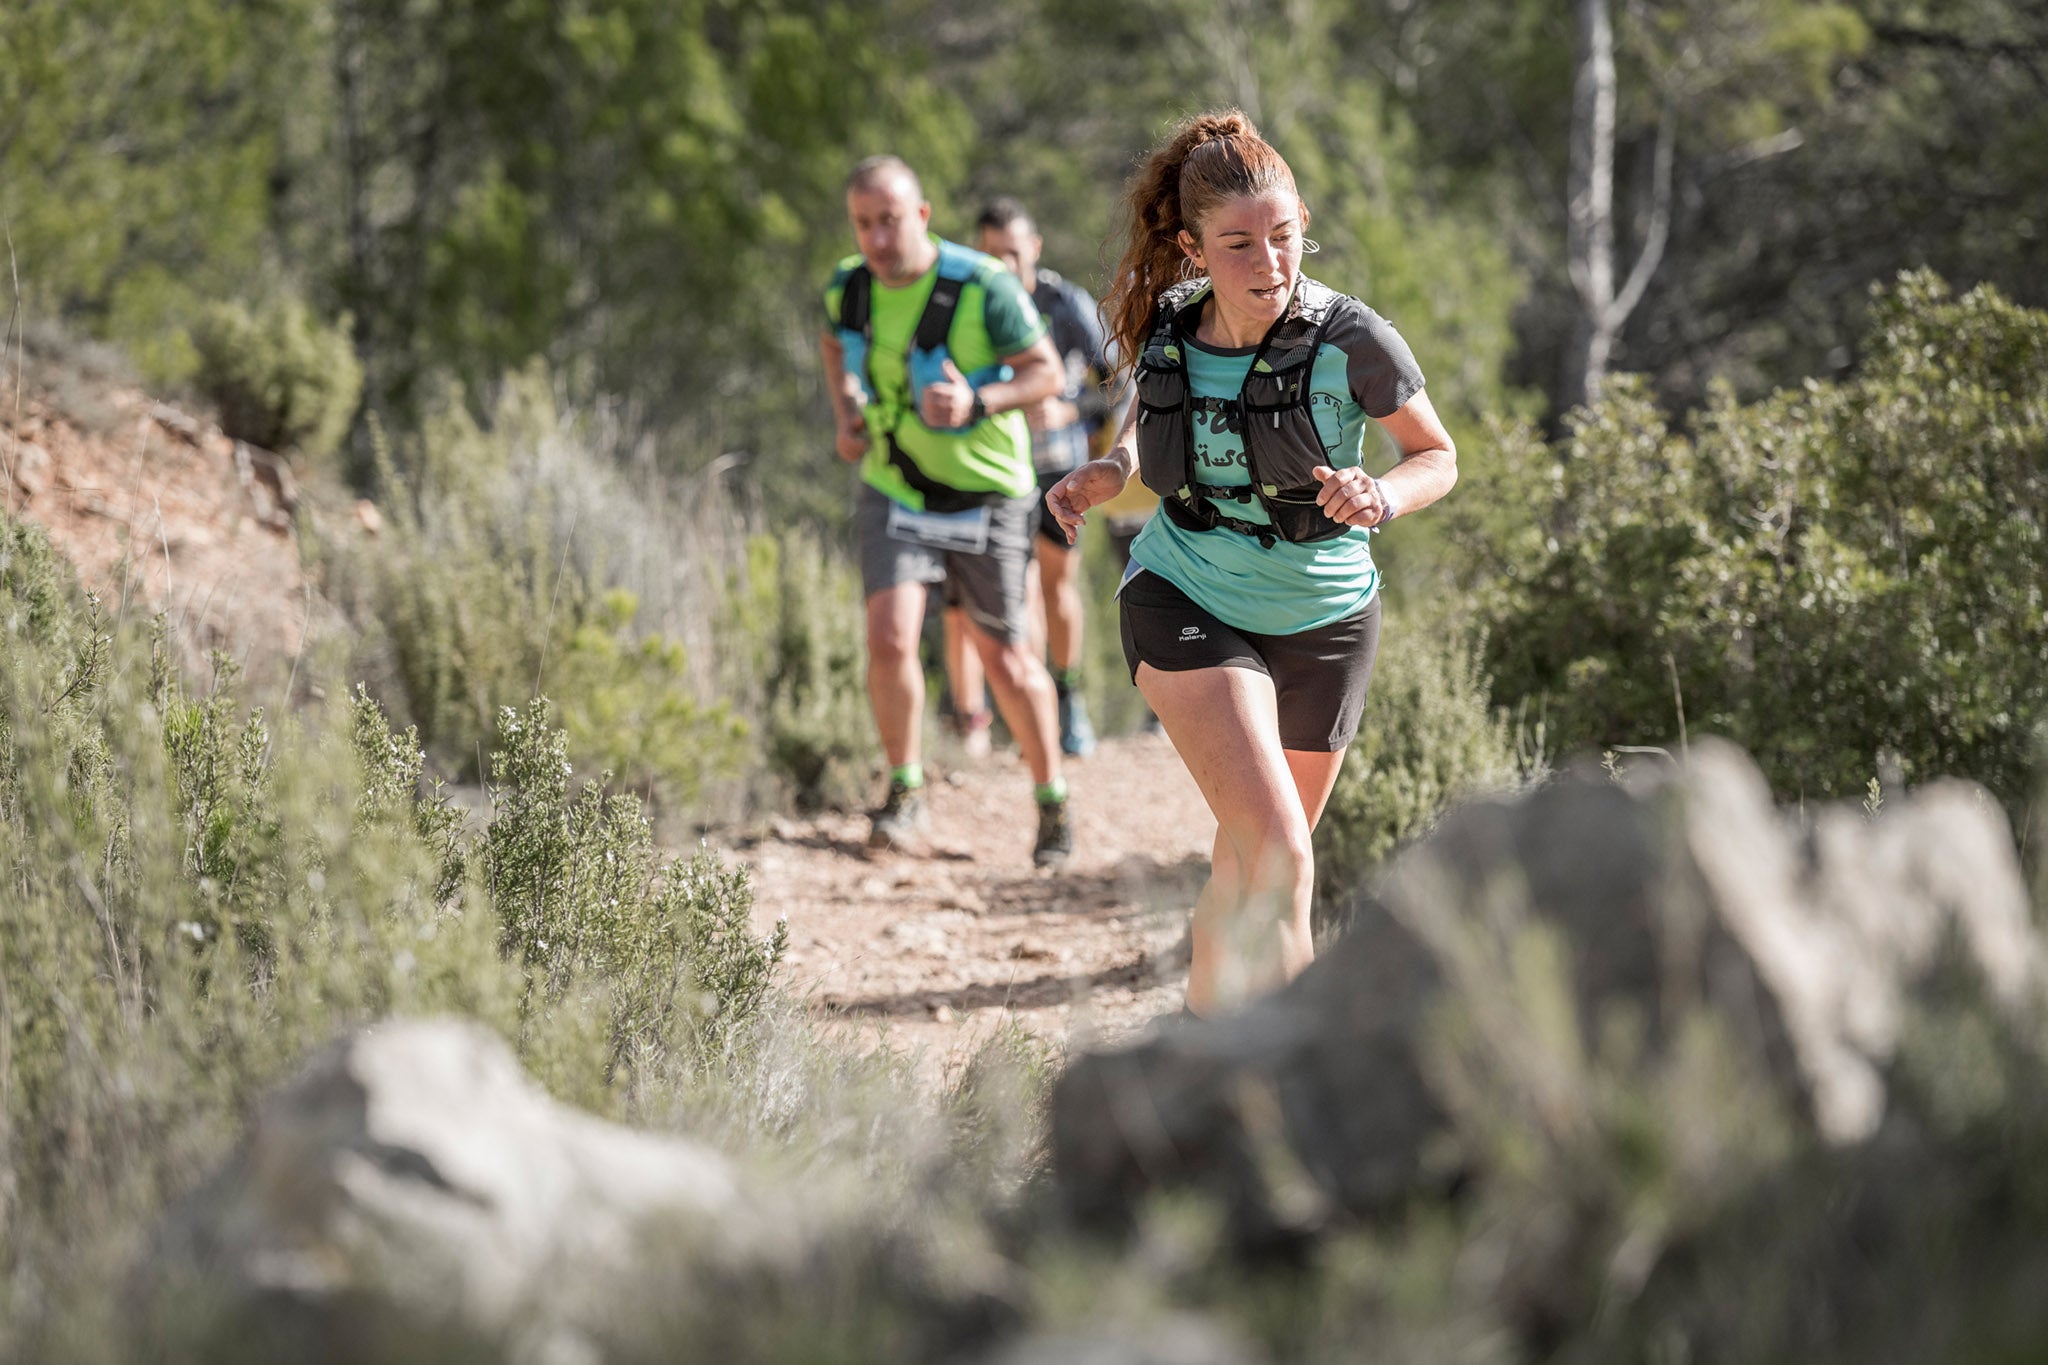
x,y
1281,443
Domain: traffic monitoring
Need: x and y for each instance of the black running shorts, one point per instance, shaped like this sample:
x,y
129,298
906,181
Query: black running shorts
x,y
1319,676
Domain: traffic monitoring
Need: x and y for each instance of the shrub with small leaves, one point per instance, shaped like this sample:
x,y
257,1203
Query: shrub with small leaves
x,y
393,768
518,562
793,644
1836,573
1428,737
281,379
584,900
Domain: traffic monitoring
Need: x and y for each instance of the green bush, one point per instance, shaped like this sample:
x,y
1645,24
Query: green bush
x,y
1428,737
280,378
627,708
515,563
700,664
583,898
1841,577
195,898
794,648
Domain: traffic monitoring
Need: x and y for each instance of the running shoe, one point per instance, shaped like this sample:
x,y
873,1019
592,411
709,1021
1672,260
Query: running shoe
x,y
900,820
1077,736
1055,835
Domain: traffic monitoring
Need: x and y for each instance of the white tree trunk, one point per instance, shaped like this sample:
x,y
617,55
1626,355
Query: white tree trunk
x,y
1589,232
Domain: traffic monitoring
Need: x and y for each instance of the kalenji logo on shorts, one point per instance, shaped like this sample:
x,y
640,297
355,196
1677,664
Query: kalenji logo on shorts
x,y
1192,633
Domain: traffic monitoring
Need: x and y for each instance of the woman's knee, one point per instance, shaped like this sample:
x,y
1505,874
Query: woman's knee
x,y
1273,850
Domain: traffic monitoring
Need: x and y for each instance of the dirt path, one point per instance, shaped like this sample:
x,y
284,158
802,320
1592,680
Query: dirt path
x,y
930,953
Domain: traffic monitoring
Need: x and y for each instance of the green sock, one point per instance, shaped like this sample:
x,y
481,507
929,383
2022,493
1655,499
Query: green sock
x,y
1050,793
909,776
1067,679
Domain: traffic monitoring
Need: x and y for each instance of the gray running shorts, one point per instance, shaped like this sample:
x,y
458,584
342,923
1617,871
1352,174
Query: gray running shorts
x,y
985,563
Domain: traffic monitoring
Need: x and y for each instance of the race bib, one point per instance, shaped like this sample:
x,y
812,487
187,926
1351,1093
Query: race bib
x,y
959,532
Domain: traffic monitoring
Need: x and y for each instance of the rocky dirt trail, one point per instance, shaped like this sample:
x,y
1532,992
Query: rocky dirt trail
x,y
930,953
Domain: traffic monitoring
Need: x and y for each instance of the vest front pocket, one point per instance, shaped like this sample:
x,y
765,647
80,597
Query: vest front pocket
x,y
1285,446
1279,430
1164,435
1301,520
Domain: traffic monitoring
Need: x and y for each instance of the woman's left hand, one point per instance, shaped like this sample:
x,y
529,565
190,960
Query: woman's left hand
x,y
1351,497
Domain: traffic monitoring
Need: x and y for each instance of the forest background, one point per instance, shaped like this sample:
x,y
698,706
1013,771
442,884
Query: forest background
x,y
628,206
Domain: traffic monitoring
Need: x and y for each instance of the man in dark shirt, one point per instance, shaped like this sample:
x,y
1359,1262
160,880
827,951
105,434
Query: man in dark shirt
x,y
1061,429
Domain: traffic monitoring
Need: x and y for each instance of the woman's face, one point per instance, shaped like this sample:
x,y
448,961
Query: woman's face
x,y
1251,252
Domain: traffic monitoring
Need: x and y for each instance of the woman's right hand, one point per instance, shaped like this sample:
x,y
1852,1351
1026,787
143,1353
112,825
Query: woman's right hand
x,y
1091,485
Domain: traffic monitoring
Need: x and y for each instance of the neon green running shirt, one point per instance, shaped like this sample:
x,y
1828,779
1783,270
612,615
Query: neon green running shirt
x,y
996,318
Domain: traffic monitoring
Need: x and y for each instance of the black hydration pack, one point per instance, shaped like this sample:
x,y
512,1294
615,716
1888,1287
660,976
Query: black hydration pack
x,y
924,365
1272,408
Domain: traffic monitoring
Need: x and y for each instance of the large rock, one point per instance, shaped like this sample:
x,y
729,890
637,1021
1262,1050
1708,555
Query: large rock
x,y
413,1167
1689,892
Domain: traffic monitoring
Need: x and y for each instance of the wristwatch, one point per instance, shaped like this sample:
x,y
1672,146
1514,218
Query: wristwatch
x,y
978,410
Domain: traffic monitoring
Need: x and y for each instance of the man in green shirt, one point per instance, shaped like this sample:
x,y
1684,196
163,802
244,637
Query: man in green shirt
x,y
931,354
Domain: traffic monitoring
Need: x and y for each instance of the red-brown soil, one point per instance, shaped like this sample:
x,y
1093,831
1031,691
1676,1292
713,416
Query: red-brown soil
x,y
157,513
930,952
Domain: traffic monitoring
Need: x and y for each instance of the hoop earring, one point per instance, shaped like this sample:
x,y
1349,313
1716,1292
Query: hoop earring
x,y
1188,269
1310,246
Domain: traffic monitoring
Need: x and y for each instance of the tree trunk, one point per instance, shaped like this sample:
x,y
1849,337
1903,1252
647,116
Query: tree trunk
x,y
1589,232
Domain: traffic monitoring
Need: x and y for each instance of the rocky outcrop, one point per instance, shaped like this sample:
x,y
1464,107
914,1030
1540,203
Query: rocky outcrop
x,y
414,1167
412,1195
1586,921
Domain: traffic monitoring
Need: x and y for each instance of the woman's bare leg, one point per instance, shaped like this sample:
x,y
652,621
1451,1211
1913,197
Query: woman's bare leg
x,y
1251,919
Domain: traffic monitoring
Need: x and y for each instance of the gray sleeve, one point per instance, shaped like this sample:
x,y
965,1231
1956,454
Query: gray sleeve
x,y
1089,314
1378,364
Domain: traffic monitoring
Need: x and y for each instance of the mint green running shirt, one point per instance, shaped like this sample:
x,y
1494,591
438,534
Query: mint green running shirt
x,y
1363,370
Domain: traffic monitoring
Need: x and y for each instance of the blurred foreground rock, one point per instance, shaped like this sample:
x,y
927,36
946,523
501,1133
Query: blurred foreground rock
x,y
412,1196
414,1167
1531,949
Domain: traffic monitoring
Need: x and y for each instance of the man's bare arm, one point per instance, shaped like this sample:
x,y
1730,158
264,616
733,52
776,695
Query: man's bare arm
x,y
850,428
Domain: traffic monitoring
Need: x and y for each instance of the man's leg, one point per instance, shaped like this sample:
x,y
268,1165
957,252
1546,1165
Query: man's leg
x,y
992,588
1059,579
1056,612
895,575
1025,697
895,677
968,684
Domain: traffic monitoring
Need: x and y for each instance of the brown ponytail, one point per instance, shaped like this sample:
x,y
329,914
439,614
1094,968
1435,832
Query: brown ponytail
x,y
1205,160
